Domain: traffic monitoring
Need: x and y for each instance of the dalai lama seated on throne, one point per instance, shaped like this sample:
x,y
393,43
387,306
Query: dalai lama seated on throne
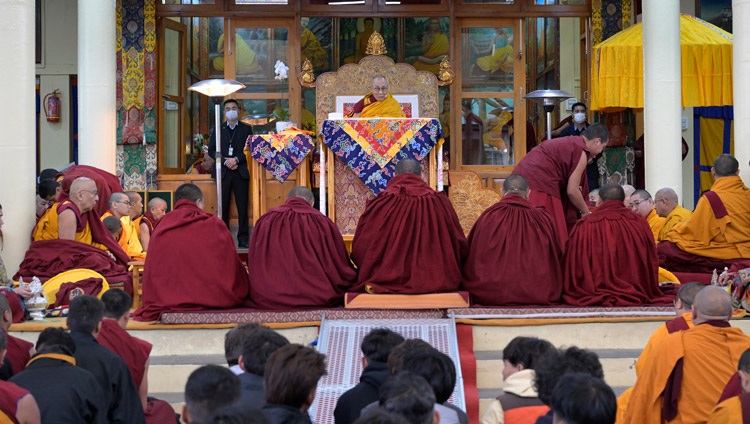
x,y
378,103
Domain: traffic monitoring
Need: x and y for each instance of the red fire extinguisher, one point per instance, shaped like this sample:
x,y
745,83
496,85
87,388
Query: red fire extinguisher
x,y
52,106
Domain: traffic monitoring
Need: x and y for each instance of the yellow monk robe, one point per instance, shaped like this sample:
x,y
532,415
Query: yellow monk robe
x,y
718,238
246,58
667,277
730,411
678,214
129,240
47,228
656,223
372,108
709,355
501,59
439,47
311,49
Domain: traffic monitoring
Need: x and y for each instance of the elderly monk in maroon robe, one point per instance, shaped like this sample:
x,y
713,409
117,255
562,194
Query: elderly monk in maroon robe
x,y
177,277
611,257
409,240
499,269
316,271
157,208
556,171
133,351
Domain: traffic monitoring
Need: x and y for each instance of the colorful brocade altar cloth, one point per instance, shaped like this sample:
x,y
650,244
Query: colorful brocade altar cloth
x,y
281,153
372,147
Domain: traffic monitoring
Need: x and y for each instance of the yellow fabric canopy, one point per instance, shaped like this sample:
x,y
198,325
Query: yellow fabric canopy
x,y
617,68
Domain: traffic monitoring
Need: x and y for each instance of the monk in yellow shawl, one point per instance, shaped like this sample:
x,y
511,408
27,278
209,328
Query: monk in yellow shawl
x,y
66,220
311,48
718,233
246,59
435,46
687,372
378,103
642,204
119,207
500,58
736,410
667,206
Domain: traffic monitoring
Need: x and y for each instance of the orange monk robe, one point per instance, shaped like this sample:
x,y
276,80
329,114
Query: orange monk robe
x,y
678,214
129,240
735,410
656,223
706,357
369,107
718,238
430,59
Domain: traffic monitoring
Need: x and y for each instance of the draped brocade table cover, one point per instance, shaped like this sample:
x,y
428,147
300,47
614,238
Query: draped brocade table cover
x,y
372,147
281,153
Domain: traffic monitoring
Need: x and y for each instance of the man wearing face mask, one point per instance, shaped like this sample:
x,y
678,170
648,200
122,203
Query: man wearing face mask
x,y
576,128
235,177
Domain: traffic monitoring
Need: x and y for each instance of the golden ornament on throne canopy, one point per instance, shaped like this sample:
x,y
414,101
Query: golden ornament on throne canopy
x,y
376,44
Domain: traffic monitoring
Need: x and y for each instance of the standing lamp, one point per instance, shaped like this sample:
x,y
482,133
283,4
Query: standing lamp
x,y
549,98
217,89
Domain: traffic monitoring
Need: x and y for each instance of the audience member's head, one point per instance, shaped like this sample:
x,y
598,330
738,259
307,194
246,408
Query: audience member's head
x,y
55,340
629,190
6,314
119,204
48,174
712,303
522,353
683,303
117,305
743,369
114,226
665,200
292,374
435,367
303,193
191,192
208,390
641,203
596,131
381,416
408,166
378,344
85,314
235,338
157,207
594,197
410,396
238,414
581,398
136,204
612,191
84,194
396,358
557,363
516,184
726,166
258,347
49,190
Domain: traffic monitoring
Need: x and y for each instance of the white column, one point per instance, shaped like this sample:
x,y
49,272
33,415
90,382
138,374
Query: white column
x,y
662,102
741,60
96,84
18,141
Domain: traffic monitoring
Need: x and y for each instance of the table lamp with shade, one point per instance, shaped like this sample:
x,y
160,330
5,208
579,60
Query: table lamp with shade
x,y
548,99
217,89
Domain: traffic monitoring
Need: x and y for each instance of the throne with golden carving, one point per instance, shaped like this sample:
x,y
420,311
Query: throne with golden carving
x,y
416,91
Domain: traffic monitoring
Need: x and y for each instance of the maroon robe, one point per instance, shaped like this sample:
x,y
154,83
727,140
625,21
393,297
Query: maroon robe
x,y
17,352
106,183
47,258
69,291
10,395
499,270
179,277
611,260
150,221
547,168
409,241
14,301
316,271
135,352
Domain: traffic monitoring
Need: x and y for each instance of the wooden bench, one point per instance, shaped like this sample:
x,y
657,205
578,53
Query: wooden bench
x,y
137,268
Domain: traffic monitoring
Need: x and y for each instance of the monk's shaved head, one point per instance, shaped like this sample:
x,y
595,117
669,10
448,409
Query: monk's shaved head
x,y
687,294
516,184
188,191
611,191
303,193
80,184
712,303
156,202
726,166
117,197
745,362
629,189
642,194
408,165
667,194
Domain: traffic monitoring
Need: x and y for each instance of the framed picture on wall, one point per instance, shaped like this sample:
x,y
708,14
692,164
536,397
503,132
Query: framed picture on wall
x,y
717,12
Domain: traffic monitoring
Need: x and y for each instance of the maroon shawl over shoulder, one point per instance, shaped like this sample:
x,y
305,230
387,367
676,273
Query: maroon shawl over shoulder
x,y
150,221
106,183
17,352
409,240
514,256
611,260
181,275
297,259
133,351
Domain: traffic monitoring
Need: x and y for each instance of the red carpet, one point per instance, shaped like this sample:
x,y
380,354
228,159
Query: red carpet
x,y
468,370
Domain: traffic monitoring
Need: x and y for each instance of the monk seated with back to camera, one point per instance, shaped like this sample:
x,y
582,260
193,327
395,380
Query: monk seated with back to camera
x,y
408,240
378,103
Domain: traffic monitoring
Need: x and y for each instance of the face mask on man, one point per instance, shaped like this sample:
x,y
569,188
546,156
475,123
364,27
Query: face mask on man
x,y
231,115
579,117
